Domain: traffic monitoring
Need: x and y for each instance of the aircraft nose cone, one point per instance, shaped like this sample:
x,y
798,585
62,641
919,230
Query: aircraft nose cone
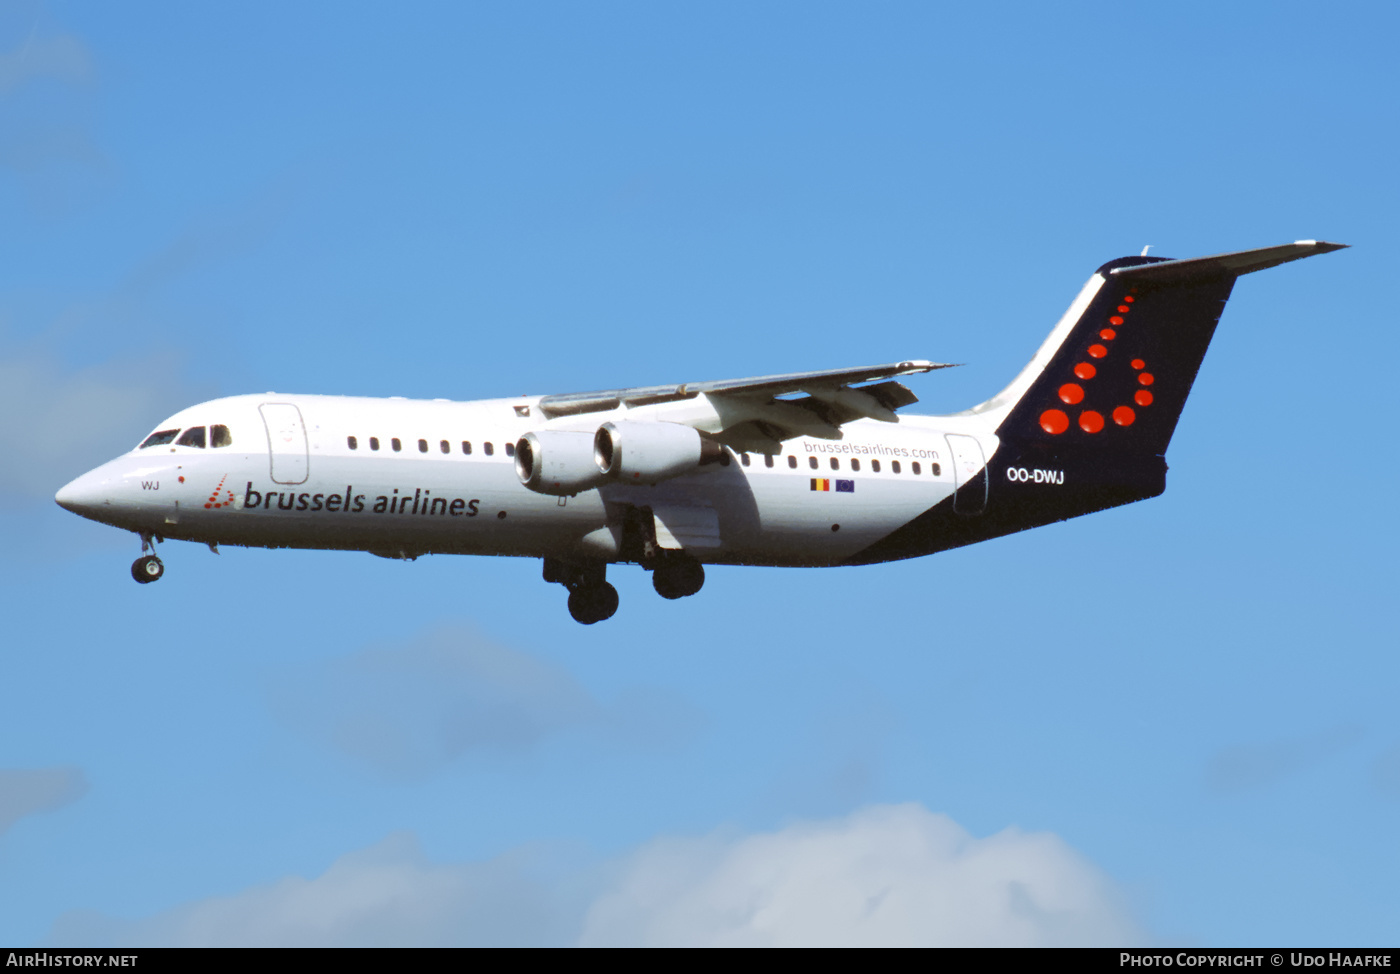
x,y
83,495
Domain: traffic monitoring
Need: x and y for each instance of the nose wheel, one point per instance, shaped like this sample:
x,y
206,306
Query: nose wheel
x,y
147,568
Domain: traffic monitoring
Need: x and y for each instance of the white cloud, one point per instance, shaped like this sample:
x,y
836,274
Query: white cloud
x,y
886,875
384,896
30,790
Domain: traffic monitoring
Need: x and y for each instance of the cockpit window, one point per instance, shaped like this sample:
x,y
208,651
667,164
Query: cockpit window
x,y
194,436
160,438
220,436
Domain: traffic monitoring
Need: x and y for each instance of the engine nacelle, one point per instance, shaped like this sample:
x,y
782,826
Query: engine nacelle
x,y
648,453
557,462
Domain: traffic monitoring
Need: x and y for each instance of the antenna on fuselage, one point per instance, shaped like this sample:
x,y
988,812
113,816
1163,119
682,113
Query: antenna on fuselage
x,y
1145,250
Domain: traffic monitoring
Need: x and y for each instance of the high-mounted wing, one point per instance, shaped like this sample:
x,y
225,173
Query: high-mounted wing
x,y
822,400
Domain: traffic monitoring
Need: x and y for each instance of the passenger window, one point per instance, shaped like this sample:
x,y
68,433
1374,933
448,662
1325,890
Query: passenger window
x,y
510,449
422,446
835,464
935,469
219,436
792,461
875,466
445,446
467,447
768,459
812,462
160,439
744,459
374,442
915,466
194,436
894,466
394,442
352,443
855,464
488,449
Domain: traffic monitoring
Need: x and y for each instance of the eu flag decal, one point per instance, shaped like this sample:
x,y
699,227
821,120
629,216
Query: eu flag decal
x,y
845,486
840,486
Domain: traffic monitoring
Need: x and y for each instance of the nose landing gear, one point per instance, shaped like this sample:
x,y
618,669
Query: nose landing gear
x,y
147,568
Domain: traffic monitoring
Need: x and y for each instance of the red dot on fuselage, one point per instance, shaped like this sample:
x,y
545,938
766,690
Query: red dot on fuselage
x,y
1142,397
1071,393
1085,371
1108,334
1130,299
1145,378
1054,421
1124,416
208,505
1115,320
1090,421
1097,351
1138,363
1122,309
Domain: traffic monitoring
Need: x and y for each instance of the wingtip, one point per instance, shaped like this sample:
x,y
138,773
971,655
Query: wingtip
x,y
925,365
1323,246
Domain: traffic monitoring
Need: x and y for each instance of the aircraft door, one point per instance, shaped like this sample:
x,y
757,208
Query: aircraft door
x,y
969,474
286,442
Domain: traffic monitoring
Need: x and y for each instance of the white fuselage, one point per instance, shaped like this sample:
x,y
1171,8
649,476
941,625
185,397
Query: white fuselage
x,y
327,474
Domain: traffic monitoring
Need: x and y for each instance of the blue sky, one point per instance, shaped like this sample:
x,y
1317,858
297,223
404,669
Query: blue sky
x,y
1167,723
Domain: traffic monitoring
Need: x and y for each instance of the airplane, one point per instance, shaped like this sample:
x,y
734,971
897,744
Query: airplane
x,y
804,469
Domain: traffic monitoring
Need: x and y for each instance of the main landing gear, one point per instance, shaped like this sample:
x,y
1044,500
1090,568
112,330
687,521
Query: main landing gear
x,y
591,598
147,568
674,574
677,575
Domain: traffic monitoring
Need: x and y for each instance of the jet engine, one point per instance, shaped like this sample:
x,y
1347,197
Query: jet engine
x,y
557,462
648,453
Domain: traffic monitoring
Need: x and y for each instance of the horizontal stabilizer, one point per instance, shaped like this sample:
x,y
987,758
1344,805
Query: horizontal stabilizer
x,y
1221,265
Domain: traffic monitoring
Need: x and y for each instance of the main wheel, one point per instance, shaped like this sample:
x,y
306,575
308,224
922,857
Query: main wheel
x,y
147,569
678,579
593,603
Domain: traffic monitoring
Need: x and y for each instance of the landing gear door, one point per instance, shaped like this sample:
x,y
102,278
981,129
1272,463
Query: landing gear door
x,y
685,526
969,474
286,442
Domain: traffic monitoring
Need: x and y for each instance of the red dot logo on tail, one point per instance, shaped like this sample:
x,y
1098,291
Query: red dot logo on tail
x,y
1056,421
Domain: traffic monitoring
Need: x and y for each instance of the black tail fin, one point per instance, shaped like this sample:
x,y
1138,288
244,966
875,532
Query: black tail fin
x,y
1116,371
